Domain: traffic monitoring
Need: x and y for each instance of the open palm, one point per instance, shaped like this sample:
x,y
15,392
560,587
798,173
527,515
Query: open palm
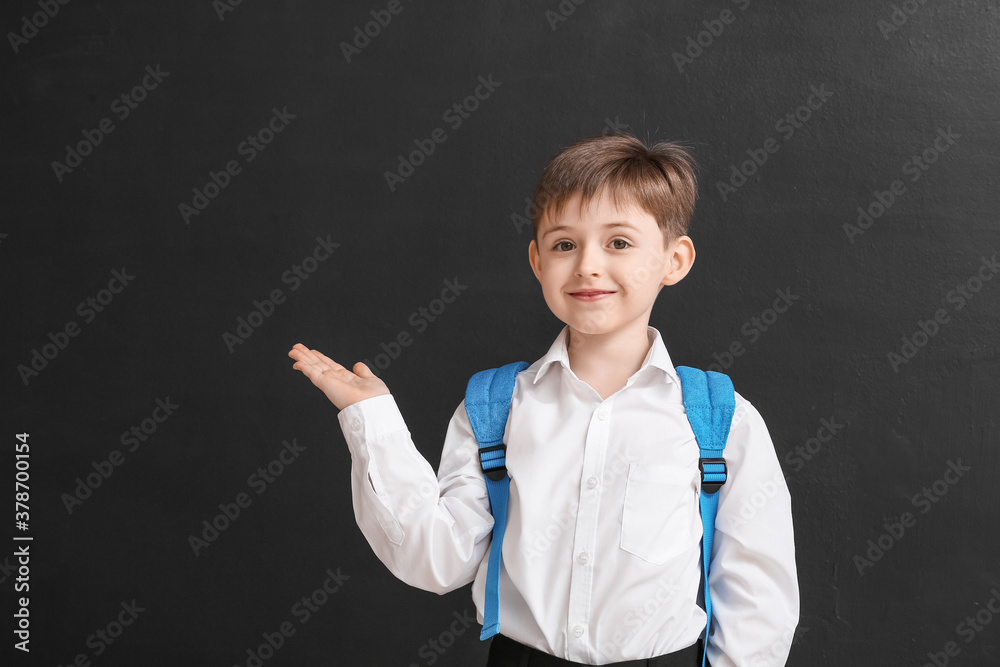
x,y
342,386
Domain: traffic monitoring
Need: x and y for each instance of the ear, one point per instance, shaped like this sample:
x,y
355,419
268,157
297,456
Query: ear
x,y
680,259
534,260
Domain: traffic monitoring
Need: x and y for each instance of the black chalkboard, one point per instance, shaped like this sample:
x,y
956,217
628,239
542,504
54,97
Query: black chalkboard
x,y
191,188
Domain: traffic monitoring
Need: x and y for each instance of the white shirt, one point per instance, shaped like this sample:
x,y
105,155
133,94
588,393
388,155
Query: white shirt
x,y
602,554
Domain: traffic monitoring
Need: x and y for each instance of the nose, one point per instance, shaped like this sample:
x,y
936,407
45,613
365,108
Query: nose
x,y
589,261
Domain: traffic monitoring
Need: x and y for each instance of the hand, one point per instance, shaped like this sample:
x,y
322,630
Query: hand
x,y
340,385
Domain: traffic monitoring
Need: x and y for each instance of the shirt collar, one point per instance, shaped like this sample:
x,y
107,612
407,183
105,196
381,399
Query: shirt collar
x,y
656,357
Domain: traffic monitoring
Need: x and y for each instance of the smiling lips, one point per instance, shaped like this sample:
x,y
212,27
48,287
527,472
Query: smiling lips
x,y
590,294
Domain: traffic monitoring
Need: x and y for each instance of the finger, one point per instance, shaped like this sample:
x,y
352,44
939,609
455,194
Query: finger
x,y
323,358
362,370
304,359
313,357
300,352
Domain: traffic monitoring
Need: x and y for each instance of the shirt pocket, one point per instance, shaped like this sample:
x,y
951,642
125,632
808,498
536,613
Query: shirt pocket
x,y
661,517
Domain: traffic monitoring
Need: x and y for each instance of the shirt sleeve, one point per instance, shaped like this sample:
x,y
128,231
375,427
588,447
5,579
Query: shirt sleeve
x,y
753,581
431,531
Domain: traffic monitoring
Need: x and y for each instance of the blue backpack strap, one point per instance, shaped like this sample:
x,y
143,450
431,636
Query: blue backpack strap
x,y
710,401
487,402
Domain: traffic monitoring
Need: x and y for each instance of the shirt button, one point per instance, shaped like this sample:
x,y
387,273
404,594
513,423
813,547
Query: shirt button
x,y
578,631
356,425
592,483
584,557
602,414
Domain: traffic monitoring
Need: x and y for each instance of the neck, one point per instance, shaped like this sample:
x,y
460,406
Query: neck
x,y
606,361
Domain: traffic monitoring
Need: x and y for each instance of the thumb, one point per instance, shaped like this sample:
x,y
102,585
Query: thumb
x,y
361,370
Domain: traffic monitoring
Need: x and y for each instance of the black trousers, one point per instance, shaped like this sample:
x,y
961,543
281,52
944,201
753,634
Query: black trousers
x,y
505,652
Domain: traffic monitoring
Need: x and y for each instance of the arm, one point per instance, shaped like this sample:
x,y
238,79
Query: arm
x,y
755,596
432,532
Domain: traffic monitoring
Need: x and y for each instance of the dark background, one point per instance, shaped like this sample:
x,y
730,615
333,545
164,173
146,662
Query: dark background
x,y
894,88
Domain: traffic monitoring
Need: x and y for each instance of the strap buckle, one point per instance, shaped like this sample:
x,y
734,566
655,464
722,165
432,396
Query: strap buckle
x,y
713,474
498,462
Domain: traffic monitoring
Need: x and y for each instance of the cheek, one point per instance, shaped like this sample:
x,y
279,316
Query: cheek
x,y
554,277
547,284
553,290
643,279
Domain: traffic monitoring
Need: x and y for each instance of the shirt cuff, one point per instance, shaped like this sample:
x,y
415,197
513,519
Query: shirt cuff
x,y
370,419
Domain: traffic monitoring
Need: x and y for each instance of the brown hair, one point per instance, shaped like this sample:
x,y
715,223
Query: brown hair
x,y
659,179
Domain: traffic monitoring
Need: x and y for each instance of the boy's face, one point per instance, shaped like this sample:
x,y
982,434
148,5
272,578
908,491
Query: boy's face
x,y
601,267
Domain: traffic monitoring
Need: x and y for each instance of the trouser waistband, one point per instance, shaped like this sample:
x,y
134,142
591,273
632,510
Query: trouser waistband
x,y
505,652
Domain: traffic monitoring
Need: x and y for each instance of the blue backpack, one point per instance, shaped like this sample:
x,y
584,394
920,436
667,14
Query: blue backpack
x,y
709,401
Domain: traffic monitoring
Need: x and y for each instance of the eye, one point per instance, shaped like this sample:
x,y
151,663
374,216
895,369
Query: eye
x,y
563,246
620,244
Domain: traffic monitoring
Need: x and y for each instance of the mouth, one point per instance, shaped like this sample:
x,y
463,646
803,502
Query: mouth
x,y
590,294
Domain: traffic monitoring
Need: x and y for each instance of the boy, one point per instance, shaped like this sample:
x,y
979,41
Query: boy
x,y
602,557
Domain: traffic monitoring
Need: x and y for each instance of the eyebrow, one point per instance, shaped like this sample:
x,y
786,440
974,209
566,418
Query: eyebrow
x,y
608,225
